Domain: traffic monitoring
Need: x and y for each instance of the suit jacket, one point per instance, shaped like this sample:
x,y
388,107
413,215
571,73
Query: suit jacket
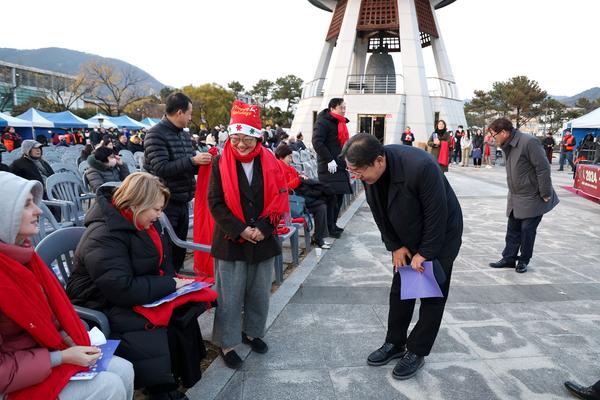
x,y
228,227
421,212
528,177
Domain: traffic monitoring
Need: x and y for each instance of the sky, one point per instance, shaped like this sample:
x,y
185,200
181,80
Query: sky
x,y
199,41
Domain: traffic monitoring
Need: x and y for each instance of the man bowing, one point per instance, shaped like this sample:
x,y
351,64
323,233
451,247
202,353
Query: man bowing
x,y
420,219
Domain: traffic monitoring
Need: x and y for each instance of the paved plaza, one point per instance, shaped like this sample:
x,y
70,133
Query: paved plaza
x,y
504,336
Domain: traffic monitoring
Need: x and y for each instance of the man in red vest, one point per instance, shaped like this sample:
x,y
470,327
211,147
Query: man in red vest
x,y
567,145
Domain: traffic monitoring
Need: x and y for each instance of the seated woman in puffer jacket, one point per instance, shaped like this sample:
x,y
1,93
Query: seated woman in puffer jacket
x,y
42,340
105,166
122,263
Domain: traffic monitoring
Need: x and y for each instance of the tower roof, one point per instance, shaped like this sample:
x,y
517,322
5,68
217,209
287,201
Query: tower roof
x,y
329,5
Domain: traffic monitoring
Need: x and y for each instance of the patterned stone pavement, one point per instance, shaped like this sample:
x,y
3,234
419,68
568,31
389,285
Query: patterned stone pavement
x,y
504,336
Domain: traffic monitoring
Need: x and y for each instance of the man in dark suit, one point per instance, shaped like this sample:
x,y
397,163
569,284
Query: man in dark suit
x,y
530,192
420,219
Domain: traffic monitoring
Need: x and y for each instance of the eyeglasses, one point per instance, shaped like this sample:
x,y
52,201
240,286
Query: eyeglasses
x,y
358,172
494,135
248,140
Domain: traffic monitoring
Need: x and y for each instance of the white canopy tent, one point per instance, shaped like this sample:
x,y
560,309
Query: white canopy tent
x,y
589,120
106,123
7,120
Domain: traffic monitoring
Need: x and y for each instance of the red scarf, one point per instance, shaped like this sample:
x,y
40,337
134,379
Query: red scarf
x,y
30,295
292,177
151,231
204,222
276,201
343,134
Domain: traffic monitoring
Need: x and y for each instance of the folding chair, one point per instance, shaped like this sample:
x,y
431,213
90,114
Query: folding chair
x,y
47,222
68,189
57,250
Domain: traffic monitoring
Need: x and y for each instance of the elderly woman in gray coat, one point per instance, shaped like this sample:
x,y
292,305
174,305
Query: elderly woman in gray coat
x,y
105,166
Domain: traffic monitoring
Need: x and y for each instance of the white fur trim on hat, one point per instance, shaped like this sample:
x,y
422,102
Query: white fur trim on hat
x,y
243,129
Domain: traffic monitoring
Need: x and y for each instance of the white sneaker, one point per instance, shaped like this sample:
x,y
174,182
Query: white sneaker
x,y
488,166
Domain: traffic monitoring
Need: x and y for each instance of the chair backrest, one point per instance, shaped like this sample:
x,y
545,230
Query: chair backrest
x,y
83,166
66,186
138,156
296,157
51,158
47,224
64,167
57,251
304,155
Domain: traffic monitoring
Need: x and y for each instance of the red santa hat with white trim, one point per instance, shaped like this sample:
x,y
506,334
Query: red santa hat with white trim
x,y
245,120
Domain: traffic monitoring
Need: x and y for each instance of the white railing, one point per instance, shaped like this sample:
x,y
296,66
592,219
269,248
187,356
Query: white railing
x,y
313,88
442,88
375,84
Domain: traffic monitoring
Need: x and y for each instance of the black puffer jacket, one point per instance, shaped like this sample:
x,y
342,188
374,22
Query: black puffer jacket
x,y
168,154
99,173
116,267
326,144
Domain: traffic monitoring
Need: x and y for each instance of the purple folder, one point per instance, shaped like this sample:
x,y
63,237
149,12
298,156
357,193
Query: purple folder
x,y
418,285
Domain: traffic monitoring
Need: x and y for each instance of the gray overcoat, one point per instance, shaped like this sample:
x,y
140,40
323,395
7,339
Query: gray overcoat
x,y
528,177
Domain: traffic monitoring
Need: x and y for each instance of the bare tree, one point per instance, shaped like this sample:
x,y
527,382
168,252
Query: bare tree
x,y
66,92
114,89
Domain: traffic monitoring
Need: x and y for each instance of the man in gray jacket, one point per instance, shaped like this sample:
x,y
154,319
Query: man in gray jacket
x,y
530,192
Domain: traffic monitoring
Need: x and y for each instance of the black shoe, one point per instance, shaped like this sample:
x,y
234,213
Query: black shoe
x,y
587,393
521,267
177,395
257,344
503,263
335,234
232,360
320,243
385,354
338,229
408,366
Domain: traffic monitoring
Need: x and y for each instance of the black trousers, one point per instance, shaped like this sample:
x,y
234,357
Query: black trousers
x,y
520,234
179,215
423,335
333,211
457,155
320,214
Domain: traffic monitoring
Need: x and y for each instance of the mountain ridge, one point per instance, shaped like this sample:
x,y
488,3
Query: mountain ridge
x,y
67,61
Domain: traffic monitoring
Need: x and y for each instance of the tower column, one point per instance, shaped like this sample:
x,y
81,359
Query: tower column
x,y
419,113
442,63
321,71
335,86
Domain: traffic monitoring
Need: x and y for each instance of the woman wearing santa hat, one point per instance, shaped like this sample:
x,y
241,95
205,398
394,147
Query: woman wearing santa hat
x,y
247,197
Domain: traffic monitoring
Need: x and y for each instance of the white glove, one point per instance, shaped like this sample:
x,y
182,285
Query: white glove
x,y
332,166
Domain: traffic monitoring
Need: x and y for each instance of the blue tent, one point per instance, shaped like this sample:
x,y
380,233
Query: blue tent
x,y
150,121
124,121
65,120
37,120
7,120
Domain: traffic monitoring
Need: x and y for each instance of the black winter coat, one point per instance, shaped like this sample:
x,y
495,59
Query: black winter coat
x,y
26,169
168,153
134,148
421,212
99,173
228,226
326,144
116,267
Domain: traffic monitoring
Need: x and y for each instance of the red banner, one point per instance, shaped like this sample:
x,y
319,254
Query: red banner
x,y
587,179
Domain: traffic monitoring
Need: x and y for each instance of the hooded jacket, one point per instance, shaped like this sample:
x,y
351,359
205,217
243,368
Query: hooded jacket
x,y
22,361
99,173
26,168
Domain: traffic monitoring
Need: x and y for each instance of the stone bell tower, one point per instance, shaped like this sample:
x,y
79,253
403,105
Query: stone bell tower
x,y
356,63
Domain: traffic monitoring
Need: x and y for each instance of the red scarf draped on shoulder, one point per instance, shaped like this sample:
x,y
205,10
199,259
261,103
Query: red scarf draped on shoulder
x,y
343,134
276,201
30,295
204,222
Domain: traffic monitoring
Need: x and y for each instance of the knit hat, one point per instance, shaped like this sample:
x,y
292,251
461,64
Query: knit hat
x,y
102,153
245,120
12,203
29,144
